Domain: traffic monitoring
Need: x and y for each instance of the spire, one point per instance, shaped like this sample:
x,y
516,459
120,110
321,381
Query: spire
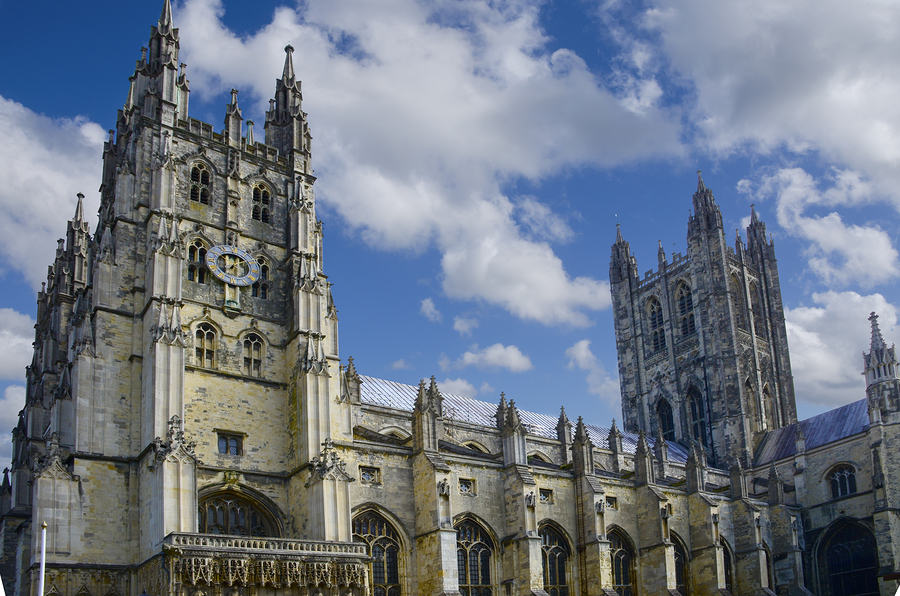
x,y
165,19
753,217
706,213
700,186
288,73
619,238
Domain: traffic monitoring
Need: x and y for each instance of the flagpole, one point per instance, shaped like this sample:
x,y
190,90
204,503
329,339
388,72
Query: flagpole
x,y
43,558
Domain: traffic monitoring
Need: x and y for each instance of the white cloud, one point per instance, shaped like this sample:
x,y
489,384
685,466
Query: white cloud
x,y
839,253
458,387
495,356
401,365
464,325
598,380
44,163
486,388
430,311
807,75
540,222
827,341
421,122
16,337
12,402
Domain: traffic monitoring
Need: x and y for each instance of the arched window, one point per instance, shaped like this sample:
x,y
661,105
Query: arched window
x,y
737,297
555,556
685,301
698,416
262,199
197,262
233,515
851,562
622,564
205,346
843,481
666,419
253,355
384,547
657,328
729,575
474,548
681,566
260,289
200,183
768,408
759,318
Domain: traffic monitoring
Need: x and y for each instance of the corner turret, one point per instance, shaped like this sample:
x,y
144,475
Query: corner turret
x,y
286,126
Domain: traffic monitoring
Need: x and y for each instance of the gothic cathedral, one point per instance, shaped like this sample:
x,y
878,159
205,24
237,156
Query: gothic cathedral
x,y
190,428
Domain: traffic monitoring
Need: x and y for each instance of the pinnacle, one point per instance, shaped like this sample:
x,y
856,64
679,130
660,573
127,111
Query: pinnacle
x,y
700,186
165,19
877,339
288,73
619,238
79,209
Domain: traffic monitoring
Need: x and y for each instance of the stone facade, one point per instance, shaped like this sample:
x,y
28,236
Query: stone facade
x,y
190,428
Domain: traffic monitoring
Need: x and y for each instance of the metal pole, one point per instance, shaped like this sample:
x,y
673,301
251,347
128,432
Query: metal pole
x,y
43,558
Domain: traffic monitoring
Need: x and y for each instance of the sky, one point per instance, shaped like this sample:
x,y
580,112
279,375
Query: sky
x,y
474,157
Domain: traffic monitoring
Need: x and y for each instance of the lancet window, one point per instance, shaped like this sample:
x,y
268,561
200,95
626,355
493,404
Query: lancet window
x,y
379,534
205,346
253,355
196,262
555,557
759,319
738,303
657,328
681,566
622,556
698,416
260,289
666,419
200,183
685,303
262,199
474,548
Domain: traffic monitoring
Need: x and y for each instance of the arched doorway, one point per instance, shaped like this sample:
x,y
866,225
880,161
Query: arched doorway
x,y
849,561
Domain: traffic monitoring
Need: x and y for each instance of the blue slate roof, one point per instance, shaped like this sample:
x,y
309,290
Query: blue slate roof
x,y
399,396
831,426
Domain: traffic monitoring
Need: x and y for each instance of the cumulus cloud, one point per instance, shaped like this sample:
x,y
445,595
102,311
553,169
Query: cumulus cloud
x,y
419,115
12,402
495,356
803,75
827,341
464,325
44,163
401,365
598,380
430,311
16,337
458,387
838,252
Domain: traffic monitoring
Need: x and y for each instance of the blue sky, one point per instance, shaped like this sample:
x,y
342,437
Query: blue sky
x,y
473,158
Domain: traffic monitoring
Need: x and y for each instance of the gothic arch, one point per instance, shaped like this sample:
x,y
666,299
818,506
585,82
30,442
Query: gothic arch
x,y
739,303
540,455
478,520
728,564
477,555
682,564
684,308
263,179
623,556
556,553
270,517
698,415
395,431
389,546
665,418
841,479
847,559
656,326
475,445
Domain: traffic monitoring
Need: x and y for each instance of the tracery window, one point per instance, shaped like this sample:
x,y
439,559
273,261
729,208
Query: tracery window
x,y
474,548
738,303
851,561
205,346
759,319
374,530
843,481
657,328
253,355
698,416
622,564
726,557
196,262
260,289
685,301
235,516
666,419
261,203
200,179
555,556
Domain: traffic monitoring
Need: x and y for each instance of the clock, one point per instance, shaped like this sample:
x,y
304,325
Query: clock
x,y
232,265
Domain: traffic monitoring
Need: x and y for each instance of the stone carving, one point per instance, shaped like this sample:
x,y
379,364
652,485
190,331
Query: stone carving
x,y
175,441
194,569
444,488
328,466
529,500
234,571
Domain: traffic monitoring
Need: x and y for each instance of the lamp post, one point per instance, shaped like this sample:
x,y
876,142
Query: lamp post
x,y
43,558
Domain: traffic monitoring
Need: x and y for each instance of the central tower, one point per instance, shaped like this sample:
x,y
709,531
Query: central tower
x,y
701,341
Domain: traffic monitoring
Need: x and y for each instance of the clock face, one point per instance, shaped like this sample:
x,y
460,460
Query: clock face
x,y
232,265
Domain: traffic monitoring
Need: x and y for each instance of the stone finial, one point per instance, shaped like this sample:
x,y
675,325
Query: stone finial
x,y
615,438
500,415
643,462
288,72
776,487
